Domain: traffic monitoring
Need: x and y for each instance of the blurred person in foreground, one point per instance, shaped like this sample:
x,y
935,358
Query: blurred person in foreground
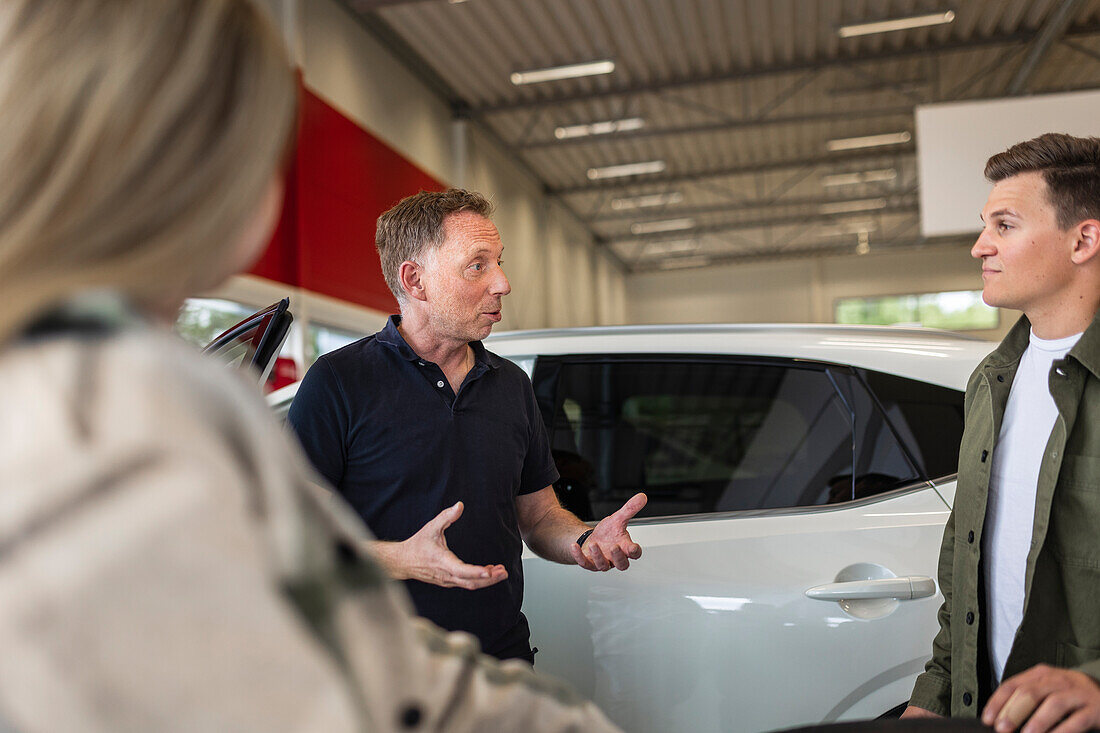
x,y
164,563
1019,640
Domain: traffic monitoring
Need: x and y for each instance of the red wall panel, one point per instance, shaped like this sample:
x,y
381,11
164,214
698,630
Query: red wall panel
x,y
341,180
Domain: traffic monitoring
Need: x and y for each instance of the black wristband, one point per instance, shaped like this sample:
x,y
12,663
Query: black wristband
x,y
583,537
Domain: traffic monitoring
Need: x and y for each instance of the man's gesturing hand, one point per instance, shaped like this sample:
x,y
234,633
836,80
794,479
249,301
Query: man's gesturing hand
x,y
1047,698
610,543
426,557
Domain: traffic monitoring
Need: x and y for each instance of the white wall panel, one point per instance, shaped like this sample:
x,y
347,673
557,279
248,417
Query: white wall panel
x,y
955,140
799,291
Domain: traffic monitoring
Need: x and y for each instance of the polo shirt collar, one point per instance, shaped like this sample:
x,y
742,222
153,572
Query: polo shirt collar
x,y
391,336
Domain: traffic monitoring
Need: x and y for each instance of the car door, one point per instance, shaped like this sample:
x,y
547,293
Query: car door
x,y
254,342
790,544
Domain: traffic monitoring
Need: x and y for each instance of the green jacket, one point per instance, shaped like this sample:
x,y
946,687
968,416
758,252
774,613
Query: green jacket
x,y
1061,620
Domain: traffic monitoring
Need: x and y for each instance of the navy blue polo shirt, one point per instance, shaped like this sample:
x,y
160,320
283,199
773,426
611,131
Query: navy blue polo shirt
x,y
385,428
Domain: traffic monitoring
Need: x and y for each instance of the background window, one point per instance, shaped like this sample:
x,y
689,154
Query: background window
x,y
703,437
959,310
322,339
200,320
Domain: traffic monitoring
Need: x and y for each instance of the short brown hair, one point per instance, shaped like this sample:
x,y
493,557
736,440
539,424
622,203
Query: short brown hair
x,y
416,223
1069,165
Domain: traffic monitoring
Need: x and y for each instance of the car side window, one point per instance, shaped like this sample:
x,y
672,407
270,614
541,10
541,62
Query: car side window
x,y
710,435
928,418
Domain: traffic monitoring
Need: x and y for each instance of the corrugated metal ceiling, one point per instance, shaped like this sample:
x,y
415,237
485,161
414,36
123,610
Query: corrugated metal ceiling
x,y
738,98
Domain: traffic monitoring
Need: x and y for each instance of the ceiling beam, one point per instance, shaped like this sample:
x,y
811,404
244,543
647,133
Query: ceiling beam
x,y
819,63
748,225
764,167
1052,30
647,132
808,250
643,215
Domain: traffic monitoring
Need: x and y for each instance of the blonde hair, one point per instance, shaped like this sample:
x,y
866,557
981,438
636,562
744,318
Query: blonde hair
x,y
137,139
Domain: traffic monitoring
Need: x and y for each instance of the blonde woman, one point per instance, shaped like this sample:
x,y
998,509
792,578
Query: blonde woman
x,y
164,564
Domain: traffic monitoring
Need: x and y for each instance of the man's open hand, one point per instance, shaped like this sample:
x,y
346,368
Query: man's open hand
x,y
426,557
1048,698
610,544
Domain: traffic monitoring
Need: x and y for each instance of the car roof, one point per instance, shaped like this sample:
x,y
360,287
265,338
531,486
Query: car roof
x,y
928,355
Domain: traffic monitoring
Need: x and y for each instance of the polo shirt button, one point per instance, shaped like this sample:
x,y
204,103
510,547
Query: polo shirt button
x,y
969,617
967,698
1060,372
985,454
420,363
970,536
439,384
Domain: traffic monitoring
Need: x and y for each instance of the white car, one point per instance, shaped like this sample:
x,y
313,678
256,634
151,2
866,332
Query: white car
x,y
799,479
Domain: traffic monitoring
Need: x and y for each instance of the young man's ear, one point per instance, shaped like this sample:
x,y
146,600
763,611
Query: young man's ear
x,y
409,275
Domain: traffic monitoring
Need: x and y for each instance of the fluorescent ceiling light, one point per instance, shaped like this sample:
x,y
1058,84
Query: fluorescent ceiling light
x,y
599,128
675,263
653,199
896,24
868,141
629,169
850,179
670,247
845,207
569,71
848,228
668,225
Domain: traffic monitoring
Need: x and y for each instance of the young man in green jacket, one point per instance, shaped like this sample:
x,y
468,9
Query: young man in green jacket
x,y
1019,639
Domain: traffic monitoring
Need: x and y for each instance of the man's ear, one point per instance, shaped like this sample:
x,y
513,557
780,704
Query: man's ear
x,y
409,275
1087,246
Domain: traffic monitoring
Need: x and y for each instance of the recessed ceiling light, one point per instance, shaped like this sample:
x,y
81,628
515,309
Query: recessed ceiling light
x,y
675,263
599,128
569,71
868,141
667,225
627,169
850,179
896,24
844,207
653,199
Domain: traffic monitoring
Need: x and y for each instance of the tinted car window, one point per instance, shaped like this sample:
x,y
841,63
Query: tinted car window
x,y
928,418
711,435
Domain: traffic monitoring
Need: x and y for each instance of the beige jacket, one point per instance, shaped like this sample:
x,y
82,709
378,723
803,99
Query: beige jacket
x,y
167,565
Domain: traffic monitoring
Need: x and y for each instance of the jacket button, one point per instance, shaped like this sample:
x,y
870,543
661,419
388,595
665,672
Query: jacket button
x,y
410,716
970,536
967,698
1000,377
969,617
985,454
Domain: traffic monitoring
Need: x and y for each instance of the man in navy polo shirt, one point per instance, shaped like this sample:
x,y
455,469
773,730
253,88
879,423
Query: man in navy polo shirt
x,y
424,432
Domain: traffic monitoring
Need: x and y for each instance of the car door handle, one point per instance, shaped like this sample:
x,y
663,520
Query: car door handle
x,y
903,589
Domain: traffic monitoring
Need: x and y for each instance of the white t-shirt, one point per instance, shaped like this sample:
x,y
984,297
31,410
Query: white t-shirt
x,y
1010,510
